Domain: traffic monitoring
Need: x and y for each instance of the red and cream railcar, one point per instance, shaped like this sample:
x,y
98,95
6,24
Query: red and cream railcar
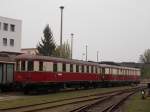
x,y
120,74
58,72
33,69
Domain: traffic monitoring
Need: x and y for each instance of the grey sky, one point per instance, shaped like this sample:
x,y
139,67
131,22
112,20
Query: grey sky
x,y
118,29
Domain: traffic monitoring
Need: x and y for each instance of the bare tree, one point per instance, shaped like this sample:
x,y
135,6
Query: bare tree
x,y
66,51
145,58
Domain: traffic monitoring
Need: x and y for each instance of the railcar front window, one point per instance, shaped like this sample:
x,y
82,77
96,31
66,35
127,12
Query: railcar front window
x,y
23,65
30,65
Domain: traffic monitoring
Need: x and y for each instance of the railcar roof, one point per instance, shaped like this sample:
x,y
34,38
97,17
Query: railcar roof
x,y
49,58
121,67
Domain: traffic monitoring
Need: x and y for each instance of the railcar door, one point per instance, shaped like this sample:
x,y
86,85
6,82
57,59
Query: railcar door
x,y
1,73
4,76
10,72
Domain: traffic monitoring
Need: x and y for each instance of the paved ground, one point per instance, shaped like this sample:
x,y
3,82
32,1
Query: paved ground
x,y
10,96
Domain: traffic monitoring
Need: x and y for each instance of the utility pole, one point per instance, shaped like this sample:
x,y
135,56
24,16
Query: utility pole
x,y
72,45
61,28
86,52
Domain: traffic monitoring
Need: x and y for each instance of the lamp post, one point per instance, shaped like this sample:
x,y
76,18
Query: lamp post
x,y
86,52
61,28
97,55
72,44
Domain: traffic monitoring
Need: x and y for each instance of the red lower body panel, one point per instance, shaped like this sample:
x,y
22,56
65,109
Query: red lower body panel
x,y
110,77
35,77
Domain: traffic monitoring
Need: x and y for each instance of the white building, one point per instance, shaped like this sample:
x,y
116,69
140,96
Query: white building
x,y
10,35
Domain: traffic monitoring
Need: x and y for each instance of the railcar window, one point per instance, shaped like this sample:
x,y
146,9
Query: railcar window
x,y
125,72
23,65
18,66
64,67
82,68
96,70
91,69
41,66
103,70
55,67
87,69
77,68
71,67
30,65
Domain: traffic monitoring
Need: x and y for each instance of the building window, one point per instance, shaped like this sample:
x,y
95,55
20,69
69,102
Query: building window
x,y
12,27
5,41
11,42
5,26
30,65
71,67
41,66
55,67
64,67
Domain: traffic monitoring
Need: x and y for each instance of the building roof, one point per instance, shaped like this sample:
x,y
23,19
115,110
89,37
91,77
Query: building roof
x,y
29,49
4,57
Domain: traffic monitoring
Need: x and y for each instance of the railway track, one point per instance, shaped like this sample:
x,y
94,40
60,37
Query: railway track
x,y
75,104
109,105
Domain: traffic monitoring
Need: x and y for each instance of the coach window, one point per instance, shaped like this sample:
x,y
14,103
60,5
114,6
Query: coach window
x,y
91,69
55,67
77,68
23,65
125,72
96,70
41,66
82,68
30,65
18,66
87,69
71,67
103,71
64,67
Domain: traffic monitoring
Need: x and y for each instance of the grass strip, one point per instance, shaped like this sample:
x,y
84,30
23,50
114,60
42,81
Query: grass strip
x,y
28,100
137,104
